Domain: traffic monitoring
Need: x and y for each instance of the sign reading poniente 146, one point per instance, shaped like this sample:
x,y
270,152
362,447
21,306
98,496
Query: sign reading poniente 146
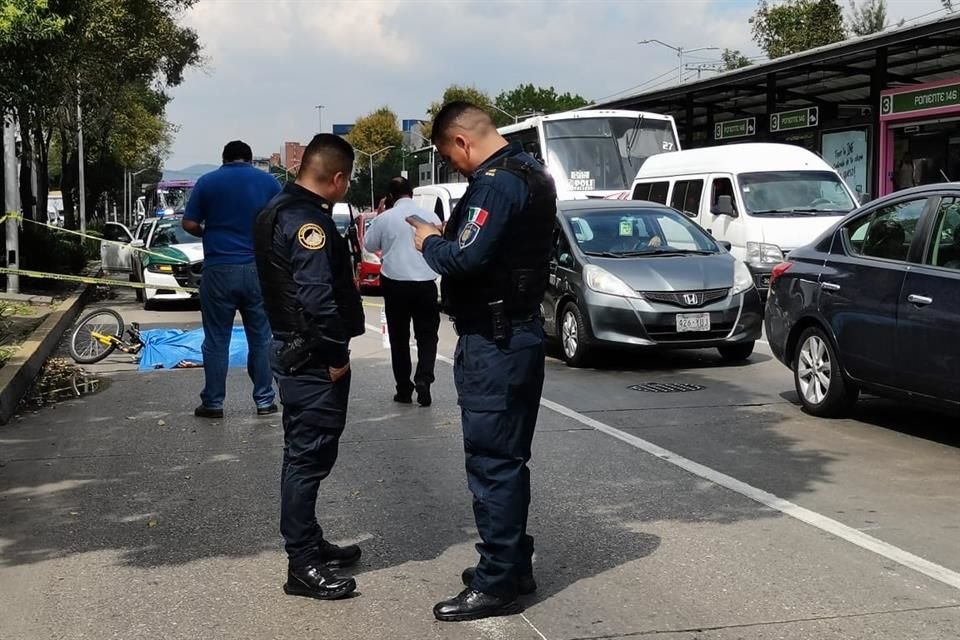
x,y
735,129
920,100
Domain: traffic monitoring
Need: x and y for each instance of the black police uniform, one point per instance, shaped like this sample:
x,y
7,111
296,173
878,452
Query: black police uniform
x,y
314,307
494,259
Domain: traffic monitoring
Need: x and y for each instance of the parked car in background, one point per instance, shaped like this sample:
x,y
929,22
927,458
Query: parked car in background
x,y
368,271
874,304
174,258
764,199
640,274
439,198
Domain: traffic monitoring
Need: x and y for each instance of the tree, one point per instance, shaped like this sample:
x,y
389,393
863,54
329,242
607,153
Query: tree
x,y
468,94
527,99
869,17
797,25
375,131
733,59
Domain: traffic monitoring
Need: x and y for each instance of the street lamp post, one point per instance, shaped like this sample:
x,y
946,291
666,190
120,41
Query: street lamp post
x,y
680,51
433,177
373,205
319,109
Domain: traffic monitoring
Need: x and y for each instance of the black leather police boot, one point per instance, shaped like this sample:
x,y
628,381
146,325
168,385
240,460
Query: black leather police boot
x,y
318,582
333,556
525,584
424,399
474,605
207,412
268,410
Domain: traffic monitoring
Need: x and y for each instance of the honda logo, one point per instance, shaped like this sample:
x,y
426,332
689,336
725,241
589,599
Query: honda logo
x,y
691,299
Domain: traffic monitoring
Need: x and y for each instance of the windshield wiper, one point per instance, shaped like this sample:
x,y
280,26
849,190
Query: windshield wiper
x,y
635,134
811,211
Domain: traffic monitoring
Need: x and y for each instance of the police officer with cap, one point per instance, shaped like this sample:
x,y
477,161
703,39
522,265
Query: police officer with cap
x,y
306,275
493,256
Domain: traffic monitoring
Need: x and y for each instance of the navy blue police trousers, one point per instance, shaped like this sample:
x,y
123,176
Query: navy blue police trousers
x,y
499,388
314,414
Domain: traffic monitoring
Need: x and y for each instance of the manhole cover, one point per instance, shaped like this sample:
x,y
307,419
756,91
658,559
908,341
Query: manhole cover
x,y
666,387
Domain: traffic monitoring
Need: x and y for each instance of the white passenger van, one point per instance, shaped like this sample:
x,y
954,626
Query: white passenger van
x,y
763,199
439,198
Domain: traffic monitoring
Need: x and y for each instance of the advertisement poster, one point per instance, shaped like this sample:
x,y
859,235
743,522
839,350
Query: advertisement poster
x,y
846,151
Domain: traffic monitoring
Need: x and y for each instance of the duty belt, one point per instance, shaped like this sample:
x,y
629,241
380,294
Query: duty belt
x,y
485,327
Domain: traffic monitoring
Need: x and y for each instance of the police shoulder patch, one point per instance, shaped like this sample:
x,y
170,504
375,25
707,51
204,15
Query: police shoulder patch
x,y
469,234
311,236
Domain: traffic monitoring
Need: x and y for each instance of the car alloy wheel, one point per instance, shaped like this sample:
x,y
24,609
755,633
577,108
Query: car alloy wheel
x,y
814,371
570,335
819,379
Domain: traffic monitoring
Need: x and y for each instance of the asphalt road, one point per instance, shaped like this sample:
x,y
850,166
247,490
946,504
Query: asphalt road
x,y
721,513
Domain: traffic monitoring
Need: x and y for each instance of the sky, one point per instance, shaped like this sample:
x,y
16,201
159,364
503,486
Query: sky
x,y
268,63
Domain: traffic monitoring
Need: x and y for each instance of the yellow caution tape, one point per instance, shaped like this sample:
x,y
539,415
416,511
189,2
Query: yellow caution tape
x,y
16,216
89,280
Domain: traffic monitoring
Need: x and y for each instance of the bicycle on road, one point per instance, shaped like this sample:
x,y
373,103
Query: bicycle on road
x,y
100,333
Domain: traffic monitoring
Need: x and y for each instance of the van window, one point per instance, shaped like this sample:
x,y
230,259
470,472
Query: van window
x,y
652,191
686,196
722,187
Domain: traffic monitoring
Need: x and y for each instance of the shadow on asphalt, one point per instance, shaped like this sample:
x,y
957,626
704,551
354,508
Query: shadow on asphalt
x,y
902,416
104,474
659,359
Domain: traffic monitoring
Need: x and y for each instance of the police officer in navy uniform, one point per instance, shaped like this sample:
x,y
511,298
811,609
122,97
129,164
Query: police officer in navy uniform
x,y
306,275
493,257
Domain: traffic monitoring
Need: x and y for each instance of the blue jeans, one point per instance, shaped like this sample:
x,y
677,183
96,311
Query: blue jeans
x,y
224,290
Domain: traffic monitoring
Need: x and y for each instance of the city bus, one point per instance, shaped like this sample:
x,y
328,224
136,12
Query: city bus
x,y
594,153
167,197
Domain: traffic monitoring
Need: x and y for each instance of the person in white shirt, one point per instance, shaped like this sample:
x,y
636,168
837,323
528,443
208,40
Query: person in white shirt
x,y
409,290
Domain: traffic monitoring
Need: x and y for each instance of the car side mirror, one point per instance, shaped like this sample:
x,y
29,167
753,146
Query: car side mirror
x,y
566,260
724,207
137,244
725,244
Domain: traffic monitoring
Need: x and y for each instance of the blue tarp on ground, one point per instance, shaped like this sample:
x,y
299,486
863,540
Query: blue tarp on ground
x,y
172,348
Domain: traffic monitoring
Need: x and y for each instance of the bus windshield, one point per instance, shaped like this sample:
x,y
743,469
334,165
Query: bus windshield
x,y
176,198
603,154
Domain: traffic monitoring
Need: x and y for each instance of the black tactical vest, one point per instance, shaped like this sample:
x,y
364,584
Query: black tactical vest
x,y
518,273
279,289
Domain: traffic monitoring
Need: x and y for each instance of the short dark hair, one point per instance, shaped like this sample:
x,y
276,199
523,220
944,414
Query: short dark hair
x,y
237,150
334,153
456,113
399,187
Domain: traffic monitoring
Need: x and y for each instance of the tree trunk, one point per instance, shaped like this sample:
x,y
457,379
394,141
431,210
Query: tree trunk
x,y
66,181
27,200
41,150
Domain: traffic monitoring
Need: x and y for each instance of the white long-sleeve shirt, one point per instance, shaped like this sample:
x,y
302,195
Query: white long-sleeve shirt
x,y
391,233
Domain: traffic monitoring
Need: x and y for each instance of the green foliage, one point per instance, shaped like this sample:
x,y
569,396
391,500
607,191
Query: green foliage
x,y
869,17
373,132
528,99
43,249
733,59
797,25
454,93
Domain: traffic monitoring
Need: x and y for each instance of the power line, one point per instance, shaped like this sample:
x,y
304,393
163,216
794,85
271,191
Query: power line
x,y
639,86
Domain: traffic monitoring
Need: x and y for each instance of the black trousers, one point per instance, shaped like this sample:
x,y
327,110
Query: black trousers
x,y
314,414
416,302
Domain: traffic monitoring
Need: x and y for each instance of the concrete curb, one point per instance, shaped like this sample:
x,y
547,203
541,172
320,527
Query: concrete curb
x,y
21,370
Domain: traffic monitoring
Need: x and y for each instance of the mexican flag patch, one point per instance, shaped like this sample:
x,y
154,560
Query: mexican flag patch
x,y
477,216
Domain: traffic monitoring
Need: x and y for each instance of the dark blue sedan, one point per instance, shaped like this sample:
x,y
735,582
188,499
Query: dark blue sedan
x,y
874,304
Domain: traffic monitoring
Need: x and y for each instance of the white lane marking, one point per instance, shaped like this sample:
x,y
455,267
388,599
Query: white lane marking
x,y
829,525
532,626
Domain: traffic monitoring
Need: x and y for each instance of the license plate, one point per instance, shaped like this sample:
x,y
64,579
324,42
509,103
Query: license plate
x,y
693,322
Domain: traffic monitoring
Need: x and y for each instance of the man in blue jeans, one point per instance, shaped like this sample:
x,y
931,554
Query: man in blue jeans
x,y
222,210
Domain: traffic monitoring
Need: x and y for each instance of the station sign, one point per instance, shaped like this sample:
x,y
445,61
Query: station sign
x,y
796,119
735,129
909,101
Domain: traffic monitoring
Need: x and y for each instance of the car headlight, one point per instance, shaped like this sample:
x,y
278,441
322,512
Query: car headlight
x,y
602,281
160,268
760,253
742,278
367,256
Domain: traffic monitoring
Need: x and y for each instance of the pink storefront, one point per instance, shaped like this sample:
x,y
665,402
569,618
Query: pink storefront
x,y
919,135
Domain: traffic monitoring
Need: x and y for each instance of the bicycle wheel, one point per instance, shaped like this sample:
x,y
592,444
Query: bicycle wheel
x,y
84,347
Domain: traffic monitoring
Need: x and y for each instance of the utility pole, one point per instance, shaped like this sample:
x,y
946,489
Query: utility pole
x,y
83,186
319,109
680,52
11,190
373,205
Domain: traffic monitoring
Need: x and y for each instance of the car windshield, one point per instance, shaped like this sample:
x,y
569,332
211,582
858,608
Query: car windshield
x,y
624,232
603,154
795,193
168,233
